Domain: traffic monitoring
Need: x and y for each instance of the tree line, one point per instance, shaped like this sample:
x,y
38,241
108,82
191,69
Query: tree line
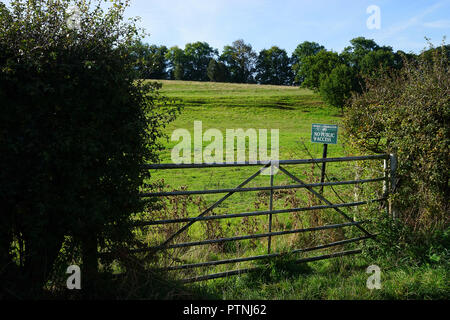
x,y
311,65
199,61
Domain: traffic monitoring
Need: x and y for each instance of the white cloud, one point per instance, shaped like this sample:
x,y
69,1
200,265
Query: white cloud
x,y
414,21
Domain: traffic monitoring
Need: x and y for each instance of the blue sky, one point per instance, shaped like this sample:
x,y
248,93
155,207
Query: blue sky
x,y
286,23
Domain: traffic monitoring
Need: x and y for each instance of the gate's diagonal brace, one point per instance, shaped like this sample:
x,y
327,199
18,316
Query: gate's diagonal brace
x,y
323,199
213,206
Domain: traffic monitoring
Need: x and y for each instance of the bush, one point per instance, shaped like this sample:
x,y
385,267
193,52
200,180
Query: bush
x,y
74,129
337,87
407,112
316,67
217,71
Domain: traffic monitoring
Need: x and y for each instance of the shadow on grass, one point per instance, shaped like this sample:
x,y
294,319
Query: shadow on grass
x,y
149,285
270,271
279,106
277,269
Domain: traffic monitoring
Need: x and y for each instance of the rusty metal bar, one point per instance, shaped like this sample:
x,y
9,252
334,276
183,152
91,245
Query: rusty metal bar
x,y
165,243
253,236
242,271
328,256
322,198
260,163
218,275
256,213
295,186
265,256
269,239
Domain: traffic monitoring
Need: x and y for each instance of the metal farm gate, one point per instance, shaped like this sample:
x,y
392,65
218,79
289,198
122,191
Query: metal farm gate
x,y
388,178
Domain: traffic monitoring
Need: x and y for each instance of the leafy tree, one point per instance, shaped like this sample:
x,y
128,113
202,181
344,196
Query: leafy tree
x,y
75,128
368,58
176,63
217,71
336,88
407,112
151,61
303,50
197,57
360,46
273,67
378,61
239,58
429,54
317,67
337,76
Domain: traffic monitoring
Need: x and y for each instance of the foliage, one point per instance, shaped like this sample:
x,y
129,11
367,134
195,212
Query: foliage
x,y
378,61
198,55
176,63
151,62
359,48
399,243
336,76
217,71
240,60
190,63
337,87
317,67
273,67
75,128
406,112
367,58
303,50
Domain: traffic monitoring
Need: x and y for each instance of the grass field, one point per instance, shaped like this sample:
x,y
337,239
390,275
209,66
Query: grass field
x,y
224,105
230,106
291,110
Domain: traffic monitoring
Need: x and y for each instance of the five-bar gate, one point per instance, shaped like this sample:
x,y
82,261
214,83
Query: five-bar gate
x,y
388,178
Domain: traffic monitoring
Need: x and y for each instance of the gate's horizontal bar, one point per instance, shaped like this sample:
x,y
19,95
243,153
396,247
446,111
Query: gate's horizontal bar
x,y
218,275
256,213
265,256
259,163
322,198
253,236
242,271
295,186
328,256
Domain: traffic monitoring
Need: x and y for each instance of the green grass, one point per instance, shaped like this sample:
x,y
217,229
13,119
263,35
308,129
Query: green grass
x,y
335,279
292,111
230,106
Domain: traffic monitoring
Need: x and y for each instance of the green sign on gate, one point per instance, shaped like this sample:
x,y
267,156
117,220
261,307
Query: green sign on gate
x,y
324,133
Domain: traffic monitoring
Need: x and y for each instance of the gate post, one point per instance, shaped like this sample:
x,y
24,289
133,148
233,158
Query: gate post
x,y
393,182
387,202
322,174
357,190
270,206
